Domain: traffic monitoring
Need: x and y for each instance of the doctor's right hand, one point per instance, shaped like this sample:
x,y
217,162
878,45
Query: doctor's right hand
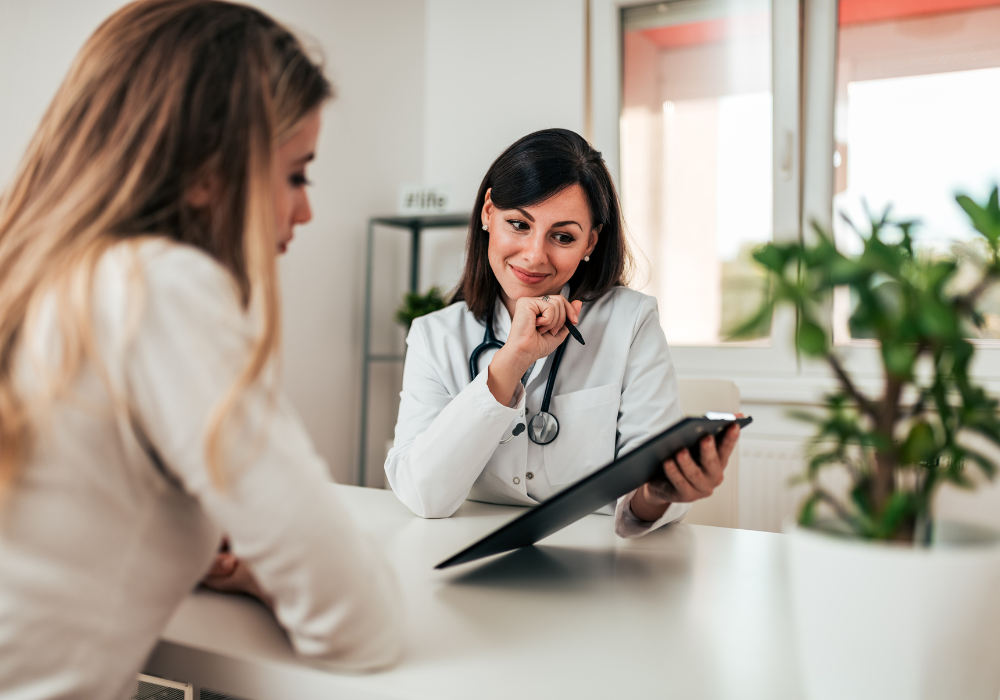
x,y
536,330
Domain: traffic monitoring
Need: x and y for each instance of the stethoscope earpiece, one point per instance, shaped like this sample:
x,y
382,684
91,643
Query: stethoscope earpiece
x,y
518,429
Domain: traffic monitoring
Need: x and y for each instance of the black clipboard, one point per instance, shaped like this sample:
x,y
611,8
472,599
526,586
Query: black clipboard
x,y
604,486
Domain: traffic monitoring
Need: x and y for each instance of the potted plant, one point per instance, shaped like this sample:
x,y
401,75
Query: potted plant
x,y
416,305
887,602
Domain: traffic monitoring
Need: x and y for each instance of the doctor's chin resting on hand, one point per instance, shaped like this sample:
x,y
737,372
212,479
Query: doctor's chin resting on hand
x,y
502,400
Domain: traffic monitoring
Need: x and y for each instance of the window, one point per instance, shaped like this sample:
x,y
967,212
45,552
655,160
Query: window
x,y
696,159
917,103
872,101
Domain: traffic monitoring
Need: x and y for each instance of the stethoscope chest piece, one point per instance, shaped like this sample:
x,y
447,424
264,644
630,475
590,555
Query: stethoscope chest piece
x,y
543,428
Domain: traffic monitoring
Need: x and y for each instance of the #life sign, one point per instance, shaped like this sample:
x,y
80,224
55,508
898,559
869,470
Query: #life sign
x,y
415,200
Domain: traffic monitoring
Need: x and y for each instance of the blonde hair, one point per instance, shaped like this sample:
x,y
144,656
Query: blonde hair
x,y
164,93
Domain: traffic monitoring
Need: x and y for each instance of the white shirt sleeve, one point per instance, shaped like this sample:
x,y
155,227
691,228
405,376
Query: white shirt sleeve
x,y
333,593
650,404
442,442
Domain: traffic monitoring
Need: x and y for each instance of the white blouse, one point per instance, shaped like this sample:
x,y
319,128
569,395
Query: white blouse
x,y
99,542
610,396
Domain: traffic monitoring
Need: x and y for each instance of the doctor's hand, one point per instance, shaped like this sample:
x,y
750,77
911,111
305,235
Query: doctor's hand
x,y
684,480
536,330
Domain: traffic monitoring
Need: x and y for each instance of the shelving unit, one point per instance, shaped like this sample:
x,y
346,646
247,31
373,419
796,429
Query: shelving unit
x,y
415,225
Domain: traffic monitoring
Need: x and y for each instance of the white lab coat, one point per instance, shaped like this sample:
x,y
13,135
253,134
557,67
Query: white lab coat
x,y
610,396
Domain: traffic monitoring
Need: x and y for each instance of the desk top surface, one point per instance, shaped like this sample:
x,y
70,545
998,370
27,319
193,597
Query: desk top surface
x,y
687,612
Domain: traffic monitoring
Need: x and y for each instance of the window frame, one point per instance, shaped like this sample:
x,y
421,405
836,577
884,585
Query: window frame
x,y
776,357
805,36
861,357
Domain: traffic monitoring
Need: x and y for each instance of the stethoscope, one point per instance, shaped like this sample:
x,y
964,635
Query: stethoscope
x,y
543,426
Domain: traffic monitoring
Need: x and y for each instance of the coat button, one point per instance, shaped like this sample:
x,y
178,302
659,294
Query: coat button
x,y
517,480
529,475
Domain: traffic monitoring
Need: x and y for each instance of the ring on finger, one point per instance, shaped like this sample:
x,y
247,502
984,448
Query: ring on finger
x,y
545,297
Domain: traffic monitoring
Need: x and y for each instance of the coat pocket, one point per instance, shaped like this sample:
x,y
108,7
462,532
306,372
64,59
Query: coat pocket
x,y
588,429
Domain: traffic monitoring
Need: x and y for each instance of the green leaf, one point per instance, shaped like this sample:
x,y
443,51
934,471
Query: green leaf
x,y
773,257
753,326
417,305
811,339
938,321
920,445
900,508
807,514
878,256
904,228
939,272
844,271
986,219
962,351
899,358
820,255
860,498
821,460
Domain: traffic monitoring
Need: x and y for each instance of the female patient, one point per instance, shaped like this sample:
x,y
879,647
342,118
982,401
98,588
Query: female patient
x,y
139,412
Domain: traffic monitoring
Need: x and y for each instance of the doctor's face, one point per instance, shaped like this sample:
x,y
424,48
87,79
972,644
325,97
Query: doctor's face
x,y
535,250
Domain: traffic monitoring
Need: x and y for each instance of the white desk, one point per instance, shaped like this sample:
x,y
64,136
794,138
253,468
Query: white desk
x,y
687,612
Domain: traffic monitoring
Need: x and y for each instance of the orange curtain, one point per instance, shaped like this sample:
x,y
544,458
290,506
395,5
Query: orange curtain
x,y
863,11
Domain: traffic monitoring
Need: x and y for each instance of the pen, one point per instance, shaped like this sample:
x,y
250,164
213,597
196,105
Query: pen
x,y
575,333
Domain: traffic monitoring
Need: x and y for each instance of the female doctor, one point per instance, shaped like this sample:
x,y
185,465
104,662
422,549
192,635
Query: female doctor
x,y
500,403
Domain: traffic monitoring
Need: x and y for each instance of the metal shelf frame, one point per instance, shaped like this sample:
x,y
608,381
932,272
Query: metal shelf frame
x,y
415,225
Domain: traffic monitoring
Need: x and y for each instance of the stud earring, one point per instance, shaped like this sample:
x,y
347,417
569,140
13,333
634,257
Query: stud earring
x,y
485,227
586,258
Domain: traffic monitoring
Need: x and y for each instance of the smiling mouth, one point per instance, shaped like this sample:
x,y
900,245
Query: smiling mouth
x,y
527,277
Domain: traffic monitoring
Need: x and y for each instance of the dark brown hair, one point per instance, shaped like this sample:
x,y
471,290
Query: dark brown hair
x,y
532,170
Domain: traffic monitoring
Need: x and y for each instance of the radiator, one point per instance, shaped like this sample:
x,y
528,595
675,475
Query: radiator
x,y
766,466
150,688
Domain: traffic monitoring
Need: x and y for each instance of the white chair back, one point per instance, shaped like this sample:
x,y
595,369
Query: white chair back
x,y
698,396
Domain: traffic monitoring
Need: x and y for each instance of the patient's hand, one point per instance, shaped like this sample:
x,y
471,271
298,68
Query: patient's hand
x,y
230,575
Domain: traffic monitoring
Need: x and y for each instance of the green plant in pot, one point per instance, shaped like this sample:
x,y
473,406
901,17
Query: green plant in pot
x,y
416,305
886,620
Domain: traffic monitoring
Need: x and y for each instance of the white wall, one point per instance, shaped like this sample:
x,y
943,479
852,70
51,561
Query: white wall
x,y
497,71
372,140
38,41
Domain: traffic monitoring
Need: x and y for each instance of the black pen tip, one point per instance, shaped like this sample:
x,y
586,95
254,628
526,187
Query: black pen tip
x,y
575,333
